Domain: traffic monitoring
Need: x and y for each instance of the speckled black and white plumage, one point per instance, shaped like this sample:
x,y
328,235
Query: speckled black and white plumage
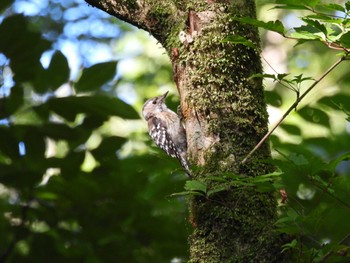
x,y
166,129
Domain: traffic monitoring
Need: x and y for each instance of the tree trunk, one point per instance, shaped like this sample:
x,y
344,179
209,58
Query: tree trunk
x,y
225,116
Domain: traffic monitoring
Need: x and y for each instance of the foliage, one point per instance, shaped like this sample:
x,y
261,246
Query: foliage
x,y
68,191
71,190
316,172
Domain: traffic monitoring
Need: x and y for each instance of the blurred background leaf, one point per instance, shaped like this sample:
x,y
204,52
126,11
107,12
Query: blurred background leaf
x,y
80,180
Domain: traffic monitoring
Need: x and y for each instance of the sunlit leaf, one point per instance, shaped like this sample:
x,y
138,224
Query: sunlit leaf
x,y
325,18
334,7
316,24
275,26
311,3
307,33
196,186
217,190
345,40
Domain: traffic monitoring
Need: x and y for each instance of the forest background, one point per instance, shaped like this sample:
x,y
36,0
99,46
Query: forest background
x,y
79,176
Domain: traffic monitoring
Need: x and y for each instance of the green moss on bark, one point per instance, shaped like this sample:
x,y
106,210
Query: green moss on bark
x,y
226,116
217,77
235,225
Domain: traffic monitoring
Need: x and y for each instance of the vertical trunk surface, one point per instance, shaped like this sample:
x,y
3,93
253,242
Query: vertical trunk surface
x,y
225,116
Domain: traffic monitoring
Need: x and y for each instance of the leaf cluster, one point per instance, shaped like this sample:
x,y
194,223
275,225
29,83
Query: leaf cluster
x,y
322,25
315,171
61,199
317,208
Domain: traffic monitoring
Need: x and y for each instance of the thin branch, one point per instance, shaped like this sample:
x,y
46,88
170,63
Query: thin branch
x,y
294,105
290,87
331,252
330,45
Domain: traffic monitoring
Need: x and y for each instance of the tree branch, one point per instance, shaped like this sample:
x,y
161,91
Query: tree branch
x,y
153,16
294,105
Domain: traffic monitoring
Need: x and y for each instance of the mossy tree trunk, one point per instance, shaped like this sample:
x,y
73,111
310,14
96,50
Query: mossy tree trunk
x,y
225,116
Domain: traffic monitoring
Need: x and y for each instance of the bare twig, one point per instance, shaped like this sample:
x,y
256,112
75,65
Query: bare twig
x,y
294,105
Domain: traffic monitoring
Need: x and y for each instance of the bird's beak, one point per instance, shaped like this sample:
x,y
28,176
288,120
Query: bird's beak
x,y
164,96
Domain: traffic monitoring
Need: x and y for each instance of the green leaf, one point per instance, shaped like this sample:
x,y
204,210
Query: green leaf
x,y
9,105
264,187
347,5
325,18
217,178
58,131
307,33
70,165
5,4
8,143
311,3
23,47
185,193
239,40
291,129
101,106
299,79
345,40
217,190
92,122
46,195
269,176
292,7
94,77
343,109
58,71
298,159
275,26
108,148
196,186
282,76
314,115
334,7
290,245
316,24
33,140
259,75
334,163
273,98
340,99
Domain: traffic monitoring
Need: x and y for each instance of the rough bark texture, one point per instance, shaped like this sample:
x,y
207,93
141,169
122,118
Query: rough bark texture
x,y
225,116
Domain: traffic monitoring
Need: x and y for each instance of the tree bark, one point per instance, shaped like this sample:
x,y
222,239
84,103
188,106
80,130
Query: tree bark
x,y
225,116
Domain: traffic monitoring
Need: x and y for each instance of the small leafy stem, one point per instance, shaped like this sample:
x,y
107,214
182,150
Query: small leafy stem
x,y
331,30
294,105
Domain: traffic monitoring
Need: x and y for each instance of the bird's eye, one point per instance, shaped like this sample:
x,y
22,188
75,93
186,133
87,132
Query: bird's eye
x,y
154,102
